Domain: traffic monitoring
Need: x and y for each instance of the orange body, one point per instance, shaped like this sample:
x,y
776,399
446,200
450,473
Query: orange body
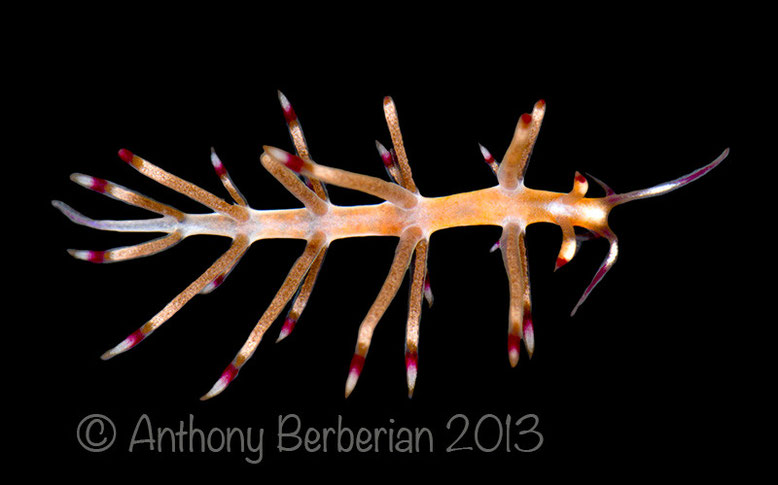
x,y
405,214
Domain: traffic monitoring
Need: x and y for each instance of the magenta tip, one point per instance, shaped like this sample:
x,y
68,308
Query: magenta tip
x,y
125,155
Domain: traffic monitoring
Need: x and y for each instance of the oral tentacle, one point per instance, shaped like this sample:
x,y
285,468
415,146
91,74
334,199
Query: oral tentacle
x,y
607,264
661,189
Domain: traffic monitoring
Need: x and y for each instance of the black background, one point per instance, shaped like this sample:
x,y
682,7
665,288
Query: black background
x,y
655,372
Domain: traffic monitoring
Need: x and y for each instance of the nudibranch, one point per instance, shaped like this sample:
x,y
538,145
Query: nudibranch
x,y
405,214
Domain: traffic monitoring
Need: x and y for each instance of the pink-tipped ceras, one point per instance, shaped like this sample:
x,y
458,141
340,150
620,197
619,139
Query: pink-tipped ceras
x,y
405,214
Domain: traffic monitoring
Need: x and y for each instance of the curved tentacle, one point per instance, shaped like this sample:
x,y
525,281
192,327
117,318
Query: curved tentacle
x,y
300,268
606,265
661,189
402,258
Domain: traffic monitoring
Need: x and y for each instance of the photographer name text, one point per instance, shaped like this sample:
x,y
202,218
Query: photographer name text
x,y
461,433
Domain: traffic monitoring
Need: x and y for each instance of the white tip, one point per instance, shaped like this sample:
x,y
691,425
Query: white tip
x,y
513,357
208,288
529,341
284,102
428,295
277,153
217,388
381,149
80,254
215,158
411,374
351,382
125,345
282,334
82,180
485,152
